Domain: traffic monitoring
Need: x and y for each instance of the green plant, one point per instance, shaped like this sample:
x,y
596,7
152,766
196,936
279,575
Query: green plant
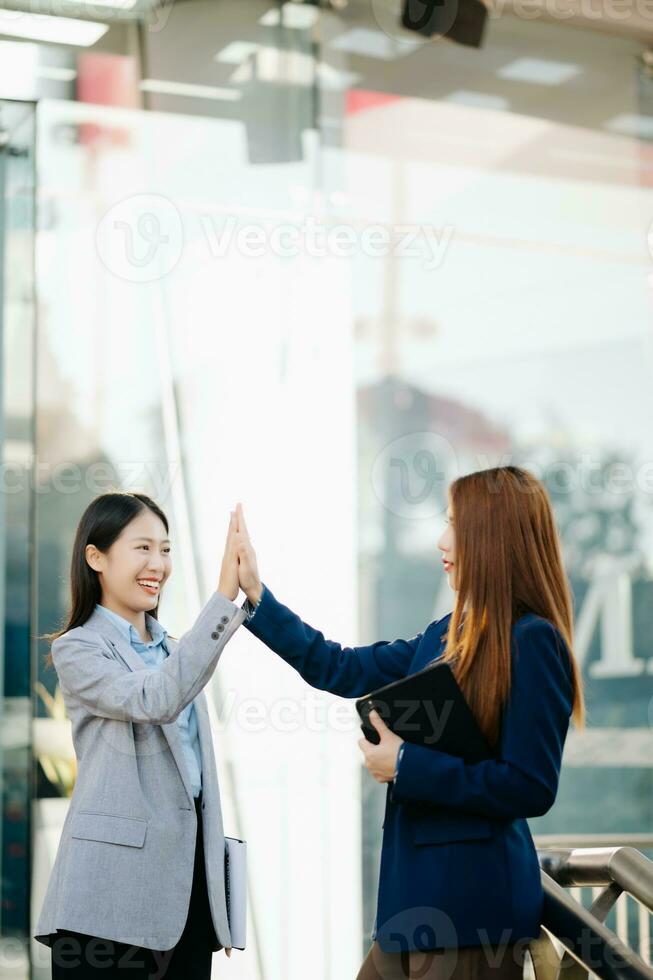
x,y
53,745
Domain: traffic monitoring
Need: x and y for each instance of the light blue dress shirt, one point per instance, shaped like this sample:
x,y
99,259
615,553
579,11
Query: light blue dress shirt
x,y
154,654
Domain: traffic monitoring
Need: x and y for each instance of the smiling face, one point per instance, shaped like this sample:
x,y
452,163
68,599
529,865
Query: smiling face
x,y
133,571
447,545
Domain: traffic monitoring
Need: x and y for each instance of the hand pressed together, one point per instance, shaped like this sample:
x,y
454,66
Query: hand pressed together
x,y
239,567
248,576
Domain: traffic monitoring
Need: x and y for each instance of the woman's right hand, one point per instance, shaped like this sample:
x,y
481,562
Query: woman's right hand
x,y
248,575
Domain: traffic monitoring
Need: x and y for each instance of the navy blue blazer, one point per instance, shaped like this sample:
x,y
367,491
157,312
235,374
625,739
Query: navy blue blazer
x,y
458,862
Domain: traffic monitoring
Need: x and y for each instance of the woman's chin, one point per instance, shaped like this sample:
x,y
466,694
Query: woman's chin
x,y
149,601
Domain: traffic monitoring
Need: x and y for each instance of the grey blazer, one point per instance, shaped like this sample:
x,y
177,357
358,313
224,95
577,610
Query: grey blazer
x,y
124,866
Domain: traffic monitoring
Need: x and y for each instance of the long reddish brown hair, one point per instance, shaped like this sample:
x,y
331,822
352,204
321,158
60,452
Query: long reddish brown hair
x,y
508,562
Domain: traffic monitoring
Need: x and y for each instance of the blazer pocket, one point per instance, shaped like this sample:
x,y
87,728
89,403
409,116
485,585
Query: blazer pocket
x,y
109,827
442,828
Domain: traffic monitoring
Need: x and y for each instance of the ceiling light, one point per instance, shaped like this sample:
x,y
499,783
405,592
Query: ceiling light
x,y
236,52
539,71
373,44
56,74
58,30
116,4
291,68
276,65
242,74
56,8
335,78
162,87
479,100
299,16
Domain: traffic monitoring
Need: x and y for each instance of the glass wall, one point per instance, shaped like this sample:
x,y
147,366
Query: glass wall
x,y
16,526
500,205
185,351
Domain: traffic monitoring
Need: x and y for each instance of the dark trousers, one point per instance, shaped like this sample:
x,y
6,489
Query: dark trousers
x,y
499,962
77,955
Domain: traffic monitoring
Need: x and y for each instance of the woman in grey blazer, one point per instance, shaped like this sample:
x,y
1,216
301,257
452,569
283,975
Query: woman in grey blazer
x,y
137,888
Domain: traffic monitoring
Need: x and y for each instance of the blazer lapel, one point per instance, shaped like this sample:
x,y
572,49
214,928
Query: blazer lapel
x,y
126,653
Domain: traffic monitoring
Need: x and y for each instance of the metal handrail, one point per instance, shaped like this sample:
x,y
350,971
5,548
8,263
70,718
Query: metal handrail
x,y
640,840
624,867
589,946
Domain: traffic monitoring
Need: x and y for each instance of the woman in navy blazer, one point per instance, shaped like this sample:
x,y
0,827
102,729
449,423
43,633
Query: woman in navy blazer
x,y
460,893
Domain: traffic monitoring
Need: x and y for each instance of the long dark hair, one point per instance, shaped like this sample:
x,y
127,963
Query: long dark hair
x,y
102,522
509,562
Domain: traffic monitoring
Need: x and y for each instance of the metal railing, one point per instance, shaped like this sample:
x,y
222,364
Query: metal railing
x,y
575,942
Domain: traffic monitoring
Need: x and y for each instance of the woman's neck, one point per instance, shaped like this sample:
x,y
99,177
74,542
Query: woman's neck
x,y
134,616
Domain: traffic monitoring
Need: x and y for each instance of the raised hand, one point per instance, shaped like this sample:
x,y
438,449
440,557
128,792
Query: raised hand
x,y
228,585
248,575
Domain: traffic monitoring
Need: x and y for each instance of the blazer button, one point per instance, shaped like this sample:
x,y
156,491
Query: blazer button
x,y
214,636
224,619
220,628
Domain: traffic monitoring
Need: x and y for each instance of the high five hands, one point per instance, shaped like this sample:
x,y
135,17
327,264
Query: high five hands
x,y
240,570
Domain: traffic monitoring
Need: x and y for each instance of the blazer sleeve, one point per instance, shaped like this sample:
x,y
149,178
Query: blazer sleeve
x,y
92,677
523,782
347,671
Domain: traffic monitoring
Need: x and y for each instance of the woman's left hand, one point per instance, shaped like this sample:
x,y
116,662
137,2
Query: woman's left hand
x,y
228,584
381,759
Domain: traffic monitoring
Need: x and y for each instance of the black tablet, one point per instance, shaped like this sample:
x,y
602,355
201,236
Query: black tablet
x,y
427,708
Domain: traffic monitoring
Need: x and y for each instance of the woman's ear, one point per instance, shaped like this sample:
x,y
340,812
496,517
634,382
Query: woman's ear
x,y
92,557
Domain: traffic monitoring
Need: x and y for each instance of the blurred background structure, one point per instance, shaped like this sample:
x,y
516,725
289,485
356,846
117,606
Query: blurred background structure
x,y
297,255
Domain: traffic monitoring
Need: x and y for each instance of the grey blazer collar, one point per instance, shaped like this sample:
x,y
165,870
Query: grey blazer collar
x,y
124,649
125,652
